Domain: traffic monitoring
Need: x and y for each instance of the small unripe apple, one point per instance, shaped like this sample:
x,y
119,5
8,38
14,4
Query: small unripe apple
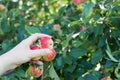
x,y
50,56
46,42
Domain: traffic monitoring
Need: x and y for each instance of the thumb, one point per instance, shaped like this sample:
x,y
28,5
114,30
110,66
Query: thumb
x,y
39,52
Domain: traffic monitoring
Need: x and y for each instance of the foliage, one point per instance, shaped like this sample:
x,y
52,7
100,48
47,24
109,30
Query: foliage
x,y
87,41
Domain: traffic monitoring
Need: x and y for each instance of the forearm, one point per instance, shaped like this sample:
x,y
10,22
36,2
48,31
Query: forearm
x,y
5,63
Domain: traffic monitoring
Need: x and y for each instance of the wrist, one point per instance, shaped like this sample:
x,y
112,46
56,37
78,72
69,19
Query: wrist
x,y
6,63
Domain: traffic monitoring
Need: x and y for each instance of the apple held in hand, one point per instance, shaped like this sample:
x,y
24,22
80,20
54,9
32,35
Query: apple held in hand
x,y
50,56
34,47
46,42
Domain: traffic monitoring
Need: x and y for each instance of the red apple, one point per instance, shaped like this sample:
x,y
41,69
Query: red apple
x,y
36,72
76,2
56,27
34,47
46,42
2,7
105,78
50,56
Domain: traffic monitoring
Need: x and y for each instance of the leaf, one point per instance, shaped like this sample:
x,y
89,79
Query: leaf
x,y
96,57
53,74
101,42
32,30
5,45
67,59
82,35
59,62
81,78
76,43
19,72
108,51
87,11
65,43
77,52
98,29
117,71
71,68
74,23
91,77
5,25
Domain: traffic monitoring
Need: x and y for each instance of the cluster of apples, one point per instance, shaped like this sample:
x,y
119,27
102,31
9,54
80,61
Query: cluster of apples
x,y
36,67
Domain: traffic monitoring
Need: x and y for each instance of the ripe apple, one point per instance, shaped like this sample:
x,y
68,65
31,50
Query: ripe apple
x,y
46,42
50,56
76,2
36,72
34,47
2,7
105,78
56,27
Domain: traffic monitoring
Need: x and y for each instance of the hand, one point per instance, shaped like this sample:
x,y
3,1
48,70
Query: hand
x,y
21,53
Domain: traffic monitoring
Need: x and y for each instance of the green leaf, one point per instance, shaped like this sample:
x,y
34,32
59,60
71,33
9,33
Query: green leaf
x,y
59,62
82,35
19,72
81,78
101,42
5,45
96,74
77,52
67,59
87,11
65,43
117,73
4,78
76,43
108,51
98,29
74,23
71,68
32,30
53,74
5,25
91,77
96,57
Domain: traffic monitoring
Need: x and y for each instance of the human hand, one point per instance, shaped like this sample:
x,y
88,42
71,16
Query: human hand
x,y
22,53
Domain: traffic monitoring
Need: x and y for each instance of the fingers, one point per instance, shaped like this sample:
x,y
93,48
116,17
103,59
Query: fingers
x,y
31,39
39,52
